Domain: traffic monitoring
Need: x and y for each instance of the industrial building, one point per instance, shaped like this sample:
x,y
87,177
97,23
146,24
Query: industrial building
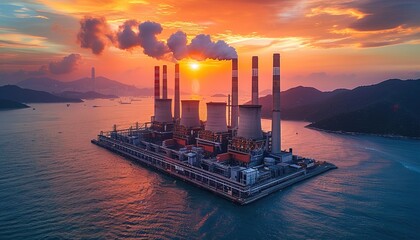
x,y
234,159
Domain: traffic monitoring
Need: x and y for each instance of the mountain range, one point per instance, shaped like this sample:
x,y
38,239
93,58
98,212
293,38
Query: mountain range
x,y
100,85
84,95
17,94
391,107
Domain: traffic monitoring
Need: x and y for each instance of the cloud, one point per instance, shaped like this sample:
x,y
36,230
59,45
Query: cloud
x,y
177,43
126,37
94,33
17,76
202,47
149,42
66,65
387,14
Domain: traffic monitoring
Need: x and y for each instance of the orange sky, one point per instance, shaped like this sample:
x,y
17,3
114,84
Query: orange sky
x,y
325,44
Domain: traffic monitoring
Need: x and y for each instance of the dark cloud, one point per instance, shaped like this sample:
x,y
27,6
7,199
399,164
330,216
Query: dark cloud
x,y
149,42
17,76
94,33
387,14
126,36
66,65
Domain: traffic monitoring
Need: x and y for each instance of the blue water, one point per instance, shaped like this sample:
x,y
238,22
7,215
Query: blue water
x,y
55,184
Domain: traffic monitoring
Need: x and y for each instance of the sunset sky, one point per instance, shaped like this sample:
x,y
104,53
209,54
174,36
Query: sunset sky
x,y
324,44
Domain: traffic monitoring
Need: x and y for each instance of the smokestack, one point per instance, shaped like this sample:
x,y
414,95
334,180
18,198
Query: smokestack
x,y
165,83
177,101
255,80
157,86
216,117
250,122
275,122
163,110
190,115
234,107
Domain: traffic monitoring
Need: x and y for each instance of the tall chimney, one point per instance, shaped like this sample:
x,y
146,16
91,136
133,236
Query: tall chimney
x,y
165,83
177,100
275,122
157,86
234,107
255,80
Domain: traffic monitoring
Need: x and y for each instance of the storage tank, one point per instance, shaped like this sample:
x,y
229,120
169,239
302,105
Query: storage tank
x,y
190,116
163,110
250,122
216,117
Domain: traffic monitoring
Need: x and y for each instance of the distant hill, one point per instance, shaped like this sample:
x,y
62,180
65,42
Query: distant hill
x,y
391,107
9,104
100,85
17,94
219,95
84,95
404,93
295,97
385,118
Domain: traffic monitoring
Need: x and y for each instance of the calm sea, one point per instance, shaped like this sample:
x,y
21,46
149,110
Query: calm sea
x,y
55,184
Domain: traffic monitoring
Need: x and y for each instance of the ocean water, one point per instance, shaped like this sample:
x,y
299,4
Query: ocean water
x,y
55,184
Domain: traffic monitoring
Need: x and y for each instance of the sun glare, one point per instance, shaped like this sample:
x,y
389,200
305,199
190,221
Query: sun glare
x,y
194,66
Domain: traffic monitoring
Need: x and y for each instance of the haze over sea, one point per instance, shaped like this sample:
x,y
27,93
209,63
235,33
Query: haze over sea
x,y
55,184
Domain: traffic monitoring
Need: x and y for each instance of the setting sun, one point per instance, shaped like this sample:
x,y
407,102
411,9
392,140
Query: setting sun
x,y
194,66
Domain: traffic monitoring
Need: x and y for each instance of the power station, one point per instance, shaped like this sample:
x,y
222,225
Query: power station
x,y
236,159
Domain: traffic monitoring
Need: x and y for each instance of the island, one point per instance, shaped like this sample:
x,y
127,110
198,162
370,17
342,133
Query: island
x,y
17,94
9,105
219,95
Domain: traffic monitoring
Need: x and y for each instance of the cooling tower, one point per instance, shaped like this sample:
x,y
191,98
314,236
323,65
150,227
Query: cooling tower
x,y
177,101
165,82
250,122
275,122
190,116
163,110
234,108
255,80
216,117
157,86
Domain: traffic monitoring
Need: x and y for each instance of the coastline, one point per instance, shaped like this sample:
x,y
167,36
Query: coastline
x,y
400,137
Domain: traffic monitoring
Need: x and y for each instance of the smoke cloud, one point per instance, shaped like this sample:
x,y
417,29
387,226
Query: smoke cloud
x,y
126,37
149,42
177,43
202,47
95,34
66,65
